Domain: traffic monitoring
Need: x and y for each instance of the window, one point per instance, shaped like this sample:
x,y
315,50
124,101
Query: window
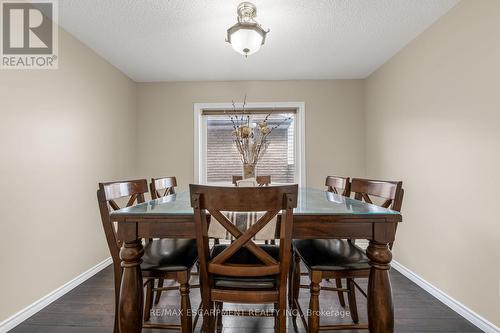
x,y
218,159
223,160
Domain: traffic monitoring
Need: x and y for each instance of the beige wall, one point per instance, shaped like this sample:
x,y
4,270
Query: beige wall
x,y
333,125
61,131
433,120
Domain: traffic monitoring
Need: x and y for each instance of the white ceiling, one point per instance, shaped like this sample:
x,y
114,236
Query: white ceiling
x,y
162,40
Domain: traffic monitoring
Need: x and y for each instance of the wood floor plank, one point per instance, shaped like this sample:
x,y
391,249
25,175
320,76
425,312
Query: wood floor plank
x,y
90,308
24,328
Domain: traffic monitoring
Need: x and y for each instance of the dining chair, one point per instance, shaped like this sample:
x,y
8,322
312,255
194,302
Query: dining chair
x,y
161,187
243,272
342,186
339,258
268,235
170,259
338,185
261,180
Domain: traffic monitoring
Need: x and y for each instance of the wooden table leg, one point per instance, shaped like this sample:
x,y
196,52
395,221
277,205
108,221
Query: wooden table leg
x,y
314,287
186,318
380,308
131,291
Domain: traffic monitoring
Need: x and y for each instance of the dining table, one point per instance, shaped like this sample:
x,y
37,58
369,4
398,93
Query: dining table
x,y
319,215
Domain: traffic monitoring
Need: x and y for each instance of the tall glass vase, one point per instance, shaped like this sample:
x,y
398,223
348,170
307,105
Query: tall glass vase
x,y
248,170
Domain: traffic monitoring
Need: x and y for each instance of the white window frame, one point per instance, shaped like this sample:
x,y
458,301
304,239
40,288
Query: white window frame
x,y
200,148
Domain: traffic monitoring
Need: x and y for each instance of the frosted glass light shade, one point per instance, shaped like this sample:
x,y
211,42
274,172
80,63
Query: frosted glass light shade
x,y
246,40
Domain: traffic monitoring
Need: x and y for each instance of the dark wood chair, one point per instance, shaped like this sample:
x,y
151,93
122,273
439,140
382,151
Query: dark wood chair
x,y
261,180
341,186
163,258
338,185
161,187
244,272
339,258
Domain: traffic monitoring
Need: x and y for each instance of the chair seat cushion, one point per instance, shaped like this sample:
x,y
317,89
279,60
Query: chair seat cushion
x,y
169,255
244,256
331,254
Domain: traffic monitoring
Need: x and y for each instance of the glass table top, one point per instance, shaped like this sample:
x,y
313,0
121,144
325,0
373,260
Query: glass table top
x,y
310,202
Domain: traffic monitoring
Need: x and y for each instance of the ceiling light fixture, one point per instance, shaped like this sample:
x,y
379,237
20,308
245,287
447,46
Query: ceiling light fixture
x,y
246,36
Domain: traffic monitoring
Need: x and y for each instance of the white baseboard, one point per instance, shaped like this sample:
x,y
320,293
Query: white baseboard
x,y
33,308
452,303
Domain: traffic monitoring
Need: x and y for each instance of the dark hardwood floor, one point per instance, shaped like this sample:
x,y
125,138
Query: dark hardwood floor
x,y
89,308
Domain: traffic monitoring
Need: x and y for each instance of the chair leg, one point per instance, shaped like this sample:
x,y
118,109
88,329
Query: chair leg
x,y
282,310
158,292
290,280
218,324
118,279
351,296
148,303
340,293
313,318
276,321
207,307
212,318
295,290
186,313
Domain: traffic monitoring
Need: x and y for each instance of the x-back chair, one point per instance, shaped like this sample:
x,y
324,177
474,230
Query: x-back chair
x,y
163,258
244,272
261,180
339,258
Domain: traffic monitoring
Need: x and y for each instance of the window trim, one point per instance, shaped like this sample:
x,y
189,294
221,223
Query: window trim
x,y
200,132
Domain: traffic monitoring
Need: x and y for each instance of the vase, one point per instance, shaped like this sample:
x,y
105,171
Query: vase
x,y
248,170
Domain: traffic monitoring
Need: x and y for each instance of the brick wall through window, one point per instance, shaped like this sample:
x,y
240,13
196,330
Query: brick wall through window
x,y
223,159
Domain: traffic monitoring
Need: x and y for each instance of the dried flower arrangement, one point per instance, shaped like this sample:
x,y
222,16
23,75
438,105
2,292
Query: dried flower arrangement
x,y
251,141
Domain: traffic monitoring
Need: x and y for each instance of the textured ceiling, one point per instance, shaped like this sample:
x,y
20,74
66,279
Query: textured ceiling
x,y
161,40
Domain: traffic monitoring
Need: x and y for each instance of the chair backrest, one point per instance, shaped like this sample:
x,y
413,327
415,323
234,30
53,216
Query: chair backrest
x,y
261,180
270,200
338,185
107,195
390,191
161,187
249,182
